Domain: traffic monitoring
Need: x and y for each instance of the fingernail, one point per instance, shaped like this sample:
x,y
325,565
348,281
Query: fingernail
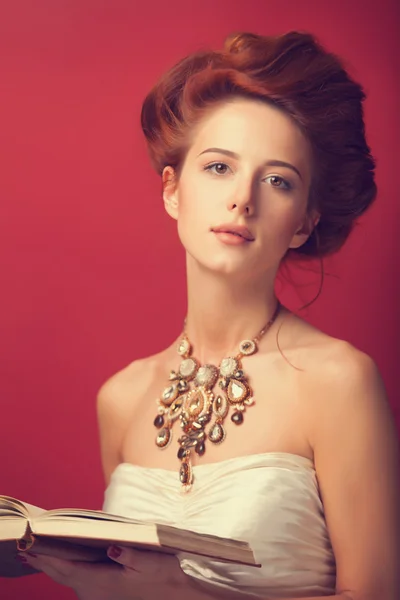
x,y
21,559
114,551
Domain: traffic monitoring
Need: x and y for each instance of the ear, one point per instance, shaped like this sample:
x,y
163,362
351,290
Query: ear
x,y
170,191
311,220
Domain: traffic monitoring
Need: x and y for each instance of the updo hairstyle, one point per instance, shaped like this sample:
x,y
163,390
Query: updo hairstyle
x,y
294,73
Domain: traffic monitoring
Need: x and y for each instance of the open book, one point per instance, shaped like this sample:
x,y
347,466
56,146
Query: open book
x,y
85,535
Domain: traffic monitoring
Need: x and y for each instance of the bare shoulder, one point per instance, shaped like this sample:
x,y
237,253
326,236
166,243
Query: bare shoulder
x,y
344,374
117,401
336,377
118,394
323,358
356,454
349,403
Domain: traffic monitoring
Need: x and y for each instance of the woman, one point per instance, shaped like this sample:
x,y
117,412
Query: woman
x,y
287,439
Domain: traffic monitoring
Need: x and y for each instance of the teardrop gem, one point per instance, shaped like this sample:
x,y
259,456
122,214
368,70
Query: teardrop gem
x,y
237,418
182,452
216,435
159,421
200,448
194,404
237,391
163,438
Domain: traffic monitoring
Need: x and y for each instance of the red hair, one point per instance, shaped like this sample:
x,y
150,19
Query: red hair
x,y
294,73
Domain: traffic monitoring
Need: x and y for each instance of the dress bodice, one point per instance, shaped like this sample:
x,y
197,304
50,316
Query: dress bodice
x,y
270,500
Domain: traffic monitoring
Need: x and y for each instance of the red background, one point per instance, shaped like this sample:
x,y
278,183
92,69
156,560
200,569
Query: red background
x,y
92,275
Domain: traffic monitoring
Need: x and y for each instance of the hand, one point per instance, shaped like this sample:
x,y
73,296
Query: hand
x,y
135,575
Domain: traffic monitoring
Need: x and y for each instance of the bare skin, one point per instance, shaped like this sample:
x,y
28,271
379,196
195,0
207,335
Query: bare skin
x,y
280,421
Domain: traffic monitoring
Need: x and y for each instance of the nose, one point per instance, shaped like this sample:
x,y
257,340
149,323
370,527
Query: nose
x,y
242,201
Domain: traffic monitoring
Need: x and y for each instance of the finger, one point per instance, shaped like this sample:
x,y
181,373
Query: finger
x,y
67,571
150,565
22,559
56,568
127,557
68,551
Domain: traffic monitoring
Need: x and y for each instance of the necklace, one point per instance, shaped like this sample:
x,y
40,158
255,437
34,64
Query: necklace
x,y
189,398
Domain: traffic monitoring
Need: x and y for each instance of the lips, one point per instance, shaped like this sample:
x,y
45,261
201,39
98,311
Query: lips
x,y
239,230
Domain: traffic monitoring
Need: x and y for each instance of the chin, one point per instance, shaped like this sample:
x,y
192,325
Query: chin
x,y
224,266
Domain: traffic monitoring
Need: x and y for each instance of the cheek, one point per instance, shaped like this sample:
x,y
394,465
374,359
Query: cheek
x,y
194,207
284,213
191,217
280,222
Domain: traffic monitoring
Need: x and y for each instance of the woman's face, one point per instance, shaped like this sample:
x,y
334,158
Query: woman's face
x,y
248,165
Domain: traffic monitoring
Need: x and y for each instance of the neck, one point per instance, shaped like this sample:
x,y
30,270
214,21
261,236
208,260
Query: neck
x,y
223,311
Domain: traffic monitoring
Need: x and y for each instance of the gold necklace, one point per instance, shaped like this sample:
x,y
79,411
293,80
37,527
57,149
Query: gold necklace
x,y
190,399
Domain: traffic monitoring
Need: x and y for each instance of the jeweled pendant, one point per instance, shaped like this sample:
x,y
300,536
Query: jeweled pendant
x,y
189,399
200,448
188,368
228,366
204,419
237,418
186,476
216,435
248,347
182,452
183,385
207,375
175,409
221,406
197,404
159,421
184,347
164,437
237,391
194,405
169,394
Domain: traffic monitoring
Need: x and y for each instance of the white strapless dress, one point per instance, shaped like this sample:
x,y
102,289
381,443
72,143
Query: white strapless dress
x,y
270,500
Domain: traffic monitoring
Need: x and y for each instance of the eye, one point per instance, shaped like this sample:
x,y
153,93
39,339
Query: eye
x,y
218,168
278,182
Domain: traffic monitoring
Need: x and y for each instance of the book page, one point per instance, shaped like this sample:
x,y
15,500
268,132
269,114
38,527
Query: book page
x,y
82,513
12,506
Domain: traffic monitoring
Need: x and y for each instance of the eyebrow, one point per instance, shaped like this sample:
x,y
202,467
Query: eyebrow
x,y
269,163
